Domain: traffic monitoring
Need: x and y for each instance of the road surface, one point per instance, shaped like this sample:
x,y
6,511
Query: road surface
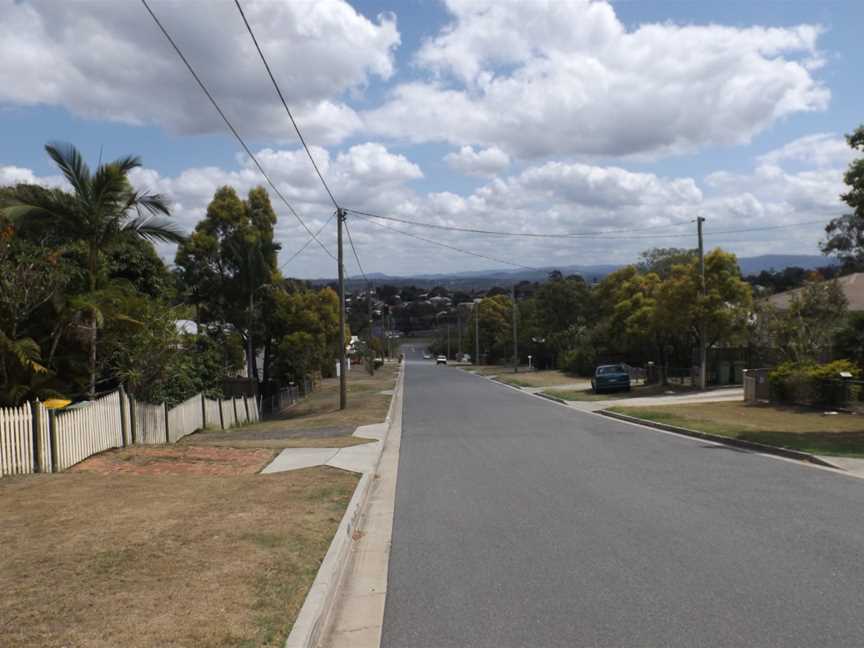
x,y
522,523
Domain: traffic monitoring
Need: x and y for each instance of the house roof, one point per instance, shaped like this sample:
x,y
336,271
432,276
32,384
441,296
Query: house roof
x,y
852,286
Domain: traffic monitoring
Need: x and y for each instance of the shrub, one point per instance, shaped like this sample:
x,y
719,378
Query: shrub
x,y
813,384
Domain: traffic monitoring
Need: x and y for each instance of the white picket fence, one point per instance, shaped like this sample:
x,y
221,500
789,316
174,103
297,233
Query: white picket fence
x,y
148,423
185,419
82,432
65,437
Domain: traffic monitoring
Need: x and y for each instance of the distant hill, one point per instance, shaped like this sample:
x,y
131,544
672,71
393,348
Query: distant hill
x,y
755,265
484,279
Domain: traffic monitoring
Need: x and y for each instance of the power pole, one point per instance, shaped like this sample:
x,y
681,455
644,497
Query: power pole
x,y
477,333
459,332
703,347
369,351
343,365
448,340
515,336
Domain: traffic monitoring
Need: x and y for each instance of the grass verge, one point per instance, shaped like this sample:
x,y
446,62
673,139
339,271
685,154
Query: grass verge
x,y
315,421
637,391
788,427
92,560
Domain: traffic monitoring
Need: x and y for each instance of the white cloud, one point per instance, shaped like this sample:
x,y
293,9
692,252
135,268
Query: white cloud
x,y
485,162
569,78
820,149
12,175
107,60
627,211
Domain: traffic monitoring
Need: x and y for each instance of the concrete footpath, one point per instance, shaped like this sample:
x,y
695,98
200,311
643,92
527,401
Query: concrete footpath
x,y
358,616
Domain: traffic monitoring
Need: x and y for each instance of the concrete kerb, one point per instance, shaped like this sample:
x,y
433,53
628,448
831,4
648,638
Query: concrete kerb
x,y
318,605
729,441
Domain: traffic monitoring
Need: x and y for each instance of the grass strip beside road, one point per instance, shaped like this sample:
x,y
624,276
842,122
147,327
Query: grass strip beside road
x,y
801,429
637,391
163,560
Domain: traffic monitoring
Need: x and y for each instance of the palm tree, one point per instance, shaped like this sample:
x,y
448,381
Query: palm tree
x,y
102,207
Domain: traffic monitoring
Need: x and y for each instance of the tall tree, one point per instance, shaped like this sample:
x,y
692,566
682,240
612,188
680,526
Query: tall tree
x,y
102,209
845,235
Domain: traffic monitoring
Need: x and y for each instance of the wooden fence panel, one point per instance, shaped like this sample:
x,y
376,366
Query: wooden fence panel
x,y
184,419
240,409
149,423
16,440
84,431
43,432
211,410
252,408
228,419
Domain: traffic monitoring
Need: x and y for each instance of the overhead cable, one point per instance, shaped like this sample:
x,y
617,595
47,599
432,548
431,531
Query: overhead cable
x,y
284,103
232,129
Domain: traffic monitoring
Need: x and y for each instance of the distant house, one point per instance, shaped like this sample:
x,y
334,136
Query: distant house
x,y
852,286
187,327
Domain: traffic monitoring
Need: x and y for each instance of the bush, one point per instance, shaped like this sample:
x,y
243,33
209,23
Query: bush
x,y
813,384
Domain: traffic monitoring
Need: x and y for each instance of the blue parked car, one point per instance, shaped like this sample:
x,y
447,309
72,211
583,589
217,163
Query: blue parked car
x,y
611,378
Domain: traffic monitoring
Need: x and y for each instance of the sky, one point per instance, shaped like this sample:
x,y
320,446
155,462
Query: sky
x,y
622,121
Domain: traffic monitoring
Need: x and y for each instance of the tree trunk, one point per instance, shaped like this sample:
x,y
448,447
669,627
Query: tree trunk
x,y
265,370
92,393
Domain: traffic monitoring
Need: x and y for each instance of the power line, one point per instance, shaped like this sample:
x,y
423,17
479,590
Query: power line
x,y
231,127
284,103
506,233
308,241
581,235
354,249
445,245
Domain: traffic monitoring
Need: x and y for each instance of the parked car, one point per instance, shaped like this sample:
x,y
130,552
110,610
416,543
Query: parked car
x,y
611,378
427,356
441,360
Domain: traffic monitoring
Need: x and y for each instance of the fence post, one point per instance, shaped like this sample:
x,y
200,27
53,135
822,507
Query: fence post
x,y
35,419
133,421
165,414
203,412
124,423
234,407
221,416
52,435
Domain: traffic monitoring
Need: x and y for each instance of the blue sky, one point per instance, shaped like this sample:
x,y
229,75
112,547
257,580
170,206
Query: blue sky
x,y
552,117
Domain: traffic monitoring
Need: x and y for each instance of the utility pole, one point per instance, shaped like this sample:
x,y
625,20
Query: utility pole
x,y
459,332
515,336
369,351
703,348
477,332
343,365
448,340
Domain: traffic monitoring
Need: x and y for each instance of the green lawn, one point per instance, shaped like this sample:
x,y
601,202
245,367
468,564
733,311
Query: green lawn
x,y
788,427
636,391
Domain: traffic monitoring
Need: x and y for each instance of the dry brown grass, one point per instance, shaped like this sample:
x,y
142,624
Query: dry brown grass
x,y
162,560
290,442
366,405
177,460
791,427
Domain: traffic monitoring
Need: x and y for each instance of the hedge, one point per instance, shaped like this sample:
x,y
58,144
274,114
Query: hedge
x,y
814,384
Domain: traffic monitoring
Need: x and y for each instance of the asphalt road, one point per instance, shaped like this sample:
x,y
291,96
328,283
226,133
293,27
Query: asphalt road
x,y
521,523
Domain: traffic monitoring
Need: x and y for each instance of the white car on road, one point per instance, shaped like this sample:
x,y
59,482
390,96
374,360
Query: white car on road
x,y
441,360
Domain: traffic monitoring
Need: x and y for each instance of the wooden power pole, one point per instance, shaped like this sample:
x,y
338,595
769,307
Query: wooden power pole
x,y
703,347
515,336
343,365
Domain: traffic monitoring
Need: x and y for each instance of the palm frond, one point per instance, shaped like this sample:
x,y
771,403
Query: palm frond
x,y
71,163
25,351
155,228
